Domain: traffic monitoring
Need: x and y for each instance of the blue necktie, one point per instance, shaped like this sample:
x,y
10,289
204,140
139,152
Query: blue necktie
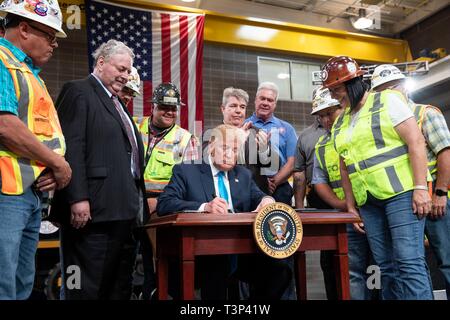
x,y
223,193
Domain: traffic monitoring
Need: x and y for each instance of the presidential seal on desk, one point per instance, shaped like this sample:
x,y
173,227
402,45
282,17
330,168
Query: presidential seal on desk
x,y
278,230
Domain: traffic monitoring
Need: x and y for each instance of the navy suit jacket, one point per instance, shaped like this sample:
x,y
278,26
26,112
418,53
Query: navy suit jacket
x,y
192,185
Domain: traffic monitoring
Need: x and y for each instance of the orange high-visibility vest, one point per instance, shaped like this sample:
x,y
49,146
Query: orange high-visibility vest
x,y
37,111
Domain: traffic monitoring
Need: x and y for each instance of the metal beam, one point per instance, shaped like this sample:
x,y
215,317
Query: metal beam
x,y
304,40
439,71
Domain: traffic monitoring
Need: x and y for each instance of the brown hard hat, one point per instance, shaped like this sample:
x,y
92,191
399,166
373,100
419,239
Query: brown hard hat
x,y
340,69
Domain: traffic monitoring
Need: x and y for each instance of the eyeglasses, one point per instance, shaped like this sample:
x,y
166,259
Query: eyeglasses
x,y
51,38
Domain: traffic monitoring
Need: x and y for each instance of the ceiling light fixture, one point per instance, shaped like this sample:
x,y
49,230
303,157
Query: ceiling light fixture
x,y
188,0
283,76
362,22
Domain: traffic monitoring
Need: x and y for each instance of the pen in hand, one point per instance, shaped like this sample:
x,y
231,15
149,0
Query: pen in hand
x,y
229,210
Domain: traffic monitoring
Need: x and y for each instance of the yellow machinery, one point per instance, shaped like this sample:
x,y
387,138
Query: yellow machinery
x,y
426,55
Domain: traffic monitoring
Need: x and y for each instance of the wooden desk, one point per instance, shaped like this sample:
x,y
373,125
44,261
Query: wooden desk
x,y
190,234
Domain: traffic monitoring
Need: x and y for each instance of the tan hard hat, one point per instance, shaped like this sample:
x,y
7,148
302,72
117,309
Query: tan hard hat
x,y
134,81
322,99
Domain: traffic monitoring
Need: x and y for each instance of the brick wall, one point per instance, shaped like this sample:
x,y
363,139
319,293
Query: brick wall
x,y
431,33
238,67
223,66
69,62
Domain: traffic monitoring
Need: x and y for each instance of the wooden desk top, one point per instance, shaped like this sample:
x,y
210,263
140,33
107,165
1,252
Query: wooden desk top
x,y
198,219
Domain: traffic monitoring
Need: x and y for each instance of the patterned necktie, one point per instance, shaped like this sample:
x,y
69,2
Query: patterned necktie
x,y
223,193
129,131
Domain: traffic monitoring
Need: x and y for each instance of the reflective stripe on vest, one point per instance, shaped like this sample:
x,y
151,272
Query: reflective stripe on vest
x,y
142,125
375,155
164,156
37,112
328,160
376,125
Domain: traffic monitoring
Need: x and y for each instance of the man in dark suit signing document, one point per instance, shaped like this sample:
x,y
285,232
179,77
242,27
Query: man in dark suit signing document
x,y
219,186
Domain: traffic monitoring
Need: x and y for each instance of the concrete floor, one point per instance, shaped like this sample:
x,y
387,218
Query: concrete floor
x,y
316,287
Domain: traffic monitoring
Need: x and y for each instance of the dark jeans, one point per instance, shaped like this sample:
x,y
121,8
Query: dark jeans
x,y
438,234
395,236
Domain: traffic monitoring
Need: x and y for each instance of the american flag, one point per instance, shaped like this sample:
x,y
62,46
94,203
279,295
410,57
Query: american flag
x,y
168,48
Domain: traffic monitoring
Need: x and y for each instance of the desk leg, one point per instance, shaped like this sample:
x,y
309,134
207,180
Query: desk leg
x,y
300,275
187,278
187,266
162,277
341,260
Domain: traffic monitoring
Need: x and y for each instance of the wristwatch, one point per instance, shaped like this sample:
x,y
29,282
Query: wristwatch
x,y
440,192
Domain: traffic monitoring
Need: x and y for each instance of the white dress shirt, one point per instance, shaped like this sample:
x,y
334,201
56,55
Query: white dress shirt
x,y
215,174
126,117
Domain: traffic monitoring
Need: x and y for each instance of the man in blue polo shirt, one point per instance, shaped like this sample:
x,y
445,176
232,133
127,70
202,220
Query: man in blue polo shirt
x,y
282,139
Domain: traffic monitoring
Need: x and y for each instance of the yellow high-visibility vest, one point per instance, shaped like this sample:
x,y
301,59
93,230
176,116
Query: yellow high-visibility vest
x,y
374,153
419,113
328,160
164,155
37,111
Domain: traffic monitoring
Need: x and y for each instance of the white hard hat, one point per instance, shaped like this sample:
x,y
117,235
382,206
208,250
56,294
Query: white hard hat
x,y
134,81
385,73
322,99
46,12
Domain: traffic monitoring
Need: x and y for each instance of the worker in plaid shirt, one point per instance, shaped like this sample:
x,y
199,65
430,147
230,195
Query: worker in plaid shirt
x,y
166,144
437,137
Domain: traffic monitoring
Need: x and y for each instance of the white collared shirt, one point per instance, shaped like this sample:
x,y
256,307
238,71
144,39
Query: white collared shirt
x,y
126,117
215,175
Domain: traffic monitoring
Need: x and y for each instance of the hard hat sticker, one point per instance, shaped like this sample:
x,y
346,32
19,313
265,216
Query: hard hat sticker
x,y
385,73
351,67
41,9
170,100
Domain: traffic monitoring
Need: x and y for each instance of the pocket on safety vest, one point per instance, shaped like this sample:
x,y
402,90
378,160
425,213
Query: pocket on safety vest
x,y
41,118
165,163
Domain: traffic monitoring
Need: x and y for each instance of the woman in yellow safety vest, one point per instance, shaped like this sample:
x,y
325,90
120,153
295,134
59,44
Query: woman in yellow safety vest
x,y
381,147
